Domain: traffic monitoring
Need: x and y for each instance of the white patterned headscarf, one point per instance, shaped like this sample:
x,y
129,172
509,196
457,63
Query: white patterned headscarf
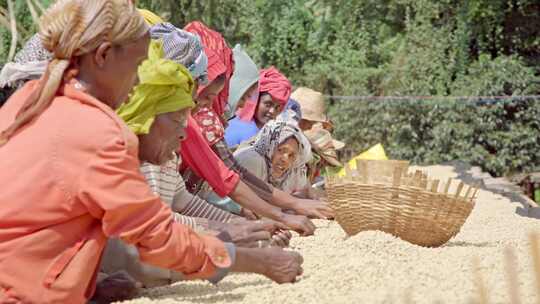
x,y
183,47
29,63
272,135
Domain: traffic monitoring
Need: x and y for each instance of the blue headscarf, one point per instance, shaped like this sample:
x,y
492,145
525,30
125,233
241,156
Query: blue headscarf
x,y
294,106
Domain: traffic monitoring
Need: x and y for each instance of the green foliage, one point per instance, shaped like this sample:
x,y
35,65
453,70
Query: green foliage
x,y
504,75
230,17
371,47
26,27
382,47
392,47
502,137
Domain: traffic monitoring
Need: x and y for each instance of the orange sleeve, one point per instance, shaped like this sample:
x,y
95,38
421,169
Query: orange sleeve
x,y
113,190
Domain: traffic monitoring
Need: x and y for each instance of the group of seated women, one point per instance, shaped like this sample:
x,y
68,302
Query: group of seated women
x,y
137,154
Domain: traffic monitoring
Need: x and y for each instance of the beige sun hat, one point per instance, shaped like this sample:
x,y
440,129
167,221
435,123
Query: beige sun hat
x,y
311,103
322,142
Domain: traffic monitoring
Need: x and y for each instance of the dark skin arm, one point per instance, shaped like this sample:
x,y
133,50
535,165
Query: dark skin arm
x,y
307,207
248,199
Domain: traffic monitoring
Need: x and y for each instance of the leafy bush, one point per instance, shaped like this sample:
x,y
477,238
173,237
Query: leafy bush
x,y
391,47
500,136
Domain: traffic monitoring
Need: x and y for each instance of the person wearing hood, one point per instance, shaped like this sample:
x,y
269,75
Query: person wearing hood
x,y
261,105
244,86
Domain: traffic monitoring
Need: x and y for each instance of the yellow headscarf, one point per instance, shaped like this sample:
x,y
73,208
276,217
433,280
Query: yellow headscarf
x,y
150,17
164,86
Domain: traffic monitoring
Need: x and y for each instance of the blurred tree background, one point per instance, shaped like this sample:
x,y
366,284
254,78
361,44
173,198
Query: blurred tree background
x,y
382,48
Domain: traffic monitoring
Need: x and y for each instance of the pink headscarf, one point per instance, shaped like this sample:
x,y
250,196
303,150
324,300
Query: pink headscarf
x,y
272,82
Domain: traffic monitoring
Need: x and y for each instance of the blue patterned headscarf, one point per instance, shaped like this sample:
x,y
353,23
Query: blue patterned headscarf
x,y
294,106
183,47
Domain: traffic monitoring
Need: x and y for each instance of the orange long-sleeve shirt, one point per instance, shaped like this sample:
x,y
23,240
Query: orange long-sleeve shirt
x,y
69,180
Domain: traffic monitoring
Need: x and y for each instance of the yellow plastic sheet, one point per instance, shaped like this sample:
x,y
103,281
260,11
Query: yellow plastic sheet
x,y
374,153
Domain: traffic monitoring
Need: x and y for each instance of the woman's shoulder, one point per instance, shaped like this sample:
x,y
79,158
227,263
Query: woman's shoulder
x,y
88,123
96,121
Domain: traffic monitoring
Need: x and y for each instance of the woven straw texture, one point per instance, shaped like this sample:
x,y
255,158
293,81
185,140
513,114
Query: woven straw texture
x,y
383,195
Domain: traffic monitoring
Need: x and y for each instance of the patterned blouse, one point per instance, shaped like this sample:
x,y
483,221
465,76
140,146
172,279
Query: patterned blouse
x,y
210,125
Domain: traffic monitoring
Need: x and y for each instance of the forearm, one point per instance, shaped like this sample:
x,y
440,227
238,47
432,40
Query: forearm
x,y
249,261
178,248
244,196
283,199
307,193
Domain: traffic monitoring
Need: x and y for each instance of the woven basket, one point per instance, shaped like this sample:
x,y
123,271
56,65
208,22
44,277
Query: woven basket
x,y
383,195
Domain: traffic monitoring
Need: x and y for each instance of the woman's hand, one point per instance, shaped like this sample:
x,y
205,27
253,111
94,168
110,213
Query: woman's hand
x,y
314,209
248,214
282,266
281,238
249,234
275,263
298,223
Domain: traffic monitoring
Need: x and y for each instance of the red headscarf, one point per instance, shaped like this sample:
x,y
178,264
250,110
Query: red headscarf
x,y
272,82
214,41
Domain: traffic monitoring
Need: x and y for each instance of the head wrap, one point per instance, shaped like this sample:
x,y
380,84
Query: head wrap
x,y
165,86
214,41
182,47
149,17
272,82
276,84
272,135
245,75
70,29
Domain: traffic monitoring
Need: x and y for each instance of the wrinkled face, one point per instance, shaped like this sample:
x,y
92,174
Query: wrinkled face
x,y
114,69
267,109
207,96
164,138
284,157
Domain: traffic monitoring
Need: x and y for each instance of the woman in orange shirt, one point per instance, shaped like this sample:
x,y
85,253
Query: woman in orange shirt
x,y
70,171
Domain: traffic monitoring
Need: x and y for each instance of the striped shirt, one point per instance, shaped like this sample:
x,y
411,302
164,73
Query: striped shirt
x,y
189,209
